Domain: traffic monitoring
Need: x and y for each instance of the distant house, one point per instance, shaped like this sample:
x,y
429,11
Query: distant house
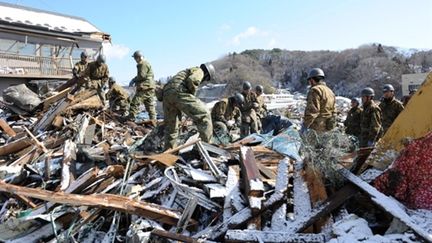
x,y
412,81
41,45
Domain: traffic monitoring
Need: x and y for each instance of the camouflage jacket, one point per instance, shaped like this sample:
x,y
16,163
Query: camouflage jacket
x,y
117,93
352,122
320,107
262,109
79,68
247,109
390,109
370,123
145,77
224,111
186,81
94,71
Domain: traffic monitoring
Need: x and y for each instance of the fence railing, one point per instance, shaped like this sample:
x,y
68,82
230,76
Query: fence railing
x,y
13,64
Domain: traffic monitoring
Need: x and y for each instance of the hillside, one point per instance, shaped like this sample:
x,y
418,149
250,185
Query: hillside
x,y
347,71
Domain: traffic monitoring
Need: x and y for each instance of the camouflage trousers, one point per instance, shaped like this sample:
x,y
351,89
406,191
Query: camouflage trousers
x,y
147,98
248,128
174,103
249,123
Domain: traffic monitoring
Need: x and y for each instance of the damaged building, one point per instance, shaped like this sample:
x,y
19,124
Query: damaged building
x,y
38,46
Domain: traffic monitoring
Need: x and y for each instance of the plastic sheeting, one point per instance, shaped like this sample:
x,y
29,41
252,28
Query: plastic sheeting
x,y
287,142
22,97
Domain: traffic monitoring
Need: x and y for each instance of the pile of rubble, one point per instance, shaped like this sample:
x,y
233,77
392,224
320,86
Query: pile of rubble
x,y
70,171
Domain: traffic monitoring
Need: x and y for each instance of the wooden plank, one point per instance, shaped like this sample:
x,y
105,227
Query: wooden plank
x,y
233,192
241,217
106,201
173,236
302,203
304,221
279,220
6,128
272,237
166,159
28,157
250,173
387,203
49,116
54,98
15,146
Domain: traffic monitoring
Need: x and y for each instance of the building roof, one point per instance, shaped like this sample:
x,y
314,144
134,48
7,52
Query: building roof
x,y
41,19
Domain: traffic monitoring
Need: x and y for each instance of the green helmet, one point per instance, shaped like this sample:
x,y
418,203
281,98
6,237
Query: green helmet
x,y
238,98
388,87
209,71
247,85
84,54
101,58
137,54
111,80
316,73
368,92
259,89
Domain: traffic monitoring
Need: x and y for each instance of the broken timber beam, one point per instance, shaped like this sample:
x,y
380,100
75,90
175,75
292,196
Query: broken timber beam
x,y
271,236
174,236
279,219
6,128
386,203
15,146
254,187
106,201
46,120
54,98
242,217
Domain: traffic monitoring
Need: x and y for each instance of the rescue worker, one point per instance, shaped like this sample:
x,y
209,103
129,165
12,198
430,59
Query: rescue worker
x,y
81,65
95,76
179,96
145,89
118,97
352,122
249,117
370,122
225,110
320,111
262,109
390,107
406,98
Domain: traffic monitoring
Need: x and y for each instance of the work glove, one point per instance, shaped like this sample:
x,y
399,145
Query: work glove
x,y
132,83
255,105
370,143
303,129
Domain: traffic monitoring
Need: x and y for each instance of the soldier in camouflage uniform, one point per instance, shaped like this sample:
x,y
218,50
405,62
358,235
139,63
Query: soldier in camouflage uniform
x,y
262,109
95,77
80,66
249,117
390,107
370,123
145,89
225,110
118,97
320,111
179,96
352,122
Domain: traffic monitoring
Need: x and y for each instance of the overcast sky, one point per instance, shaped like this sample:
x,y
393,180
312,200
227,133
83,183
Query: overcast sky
x,y
176,34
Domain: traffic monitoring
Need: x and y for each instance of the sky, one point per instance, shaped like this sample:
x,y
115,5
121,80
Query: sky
x,y
177,34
